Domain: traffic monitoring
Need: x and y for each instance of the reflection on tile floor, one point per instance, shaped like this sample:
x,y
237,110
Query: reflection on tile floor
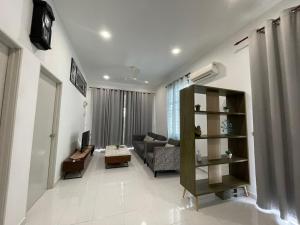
x,y
132,196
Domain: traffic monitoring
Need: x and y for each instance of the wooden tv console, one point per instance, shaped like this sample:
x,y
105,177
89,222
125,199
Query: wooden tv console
x,y
75,165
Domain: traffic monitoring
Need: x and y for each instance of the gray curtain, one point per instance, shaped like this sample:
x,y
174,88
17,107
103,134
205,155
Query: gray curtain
x,y
107,122
138,119
275,77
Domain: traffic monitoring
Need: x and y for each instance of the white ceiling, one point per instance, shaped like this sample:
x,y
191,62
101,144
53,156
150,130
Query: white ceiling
x,y
144,32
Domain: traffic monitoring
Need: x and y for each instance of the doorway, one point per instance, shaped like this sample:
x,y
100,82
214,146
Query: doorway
x,y
10,59
3,67
43,139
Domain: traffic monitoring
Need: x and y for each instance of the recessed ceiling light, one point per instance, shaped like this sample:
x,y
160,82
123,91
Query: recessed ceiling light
x,y
105,34
146,82
176,51
106,77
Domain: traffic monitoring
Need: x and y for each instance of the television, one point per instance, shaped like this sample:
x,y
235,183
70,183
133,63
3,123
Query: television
x,y
85,139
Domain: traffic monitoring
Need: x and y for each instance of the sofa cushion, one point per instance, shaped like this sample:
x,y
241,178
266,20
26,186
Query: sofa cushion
x,y
174,142
148,138
157,136
150,134
169,145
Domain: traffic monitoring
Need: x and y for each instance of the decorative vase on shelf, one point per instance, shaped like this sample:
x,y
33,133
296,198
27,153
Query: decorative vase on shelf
x,y
229,154
197,108
198,131
198,156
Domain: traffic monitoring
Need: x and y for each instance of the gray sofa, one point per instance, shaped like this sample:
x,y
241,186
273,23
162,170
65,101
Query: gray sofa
x,y
141,146
164,158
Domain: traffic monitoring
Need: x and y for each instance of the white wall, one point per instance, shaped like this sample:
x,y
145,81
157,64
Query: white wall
x,y
15,21
236,62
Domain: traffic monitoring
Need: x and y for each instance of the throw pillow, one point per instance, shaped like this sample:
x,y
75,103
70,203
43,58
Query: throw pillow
x,y
148,138
169,146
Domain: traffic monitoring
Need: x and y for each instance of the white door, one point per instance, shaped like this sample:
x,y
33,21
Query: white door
x,y
41,147
3,67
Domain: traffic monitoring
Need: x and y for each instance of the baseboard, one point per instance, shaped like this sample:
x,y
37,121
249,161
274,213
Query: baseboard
x,y
252,195
23,222
56,182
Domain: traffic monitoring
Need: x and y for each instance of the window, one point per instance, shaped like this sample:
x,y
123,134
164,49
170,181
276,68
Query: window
x,y
173,101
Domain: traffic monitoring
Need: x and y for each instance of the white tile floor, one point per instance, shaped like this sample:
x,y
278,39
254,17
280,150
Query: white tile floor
x,y
132,196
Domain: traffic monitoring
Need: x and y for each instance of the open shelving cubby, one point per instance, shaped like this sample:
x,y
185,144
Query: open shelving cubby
x,y
237,141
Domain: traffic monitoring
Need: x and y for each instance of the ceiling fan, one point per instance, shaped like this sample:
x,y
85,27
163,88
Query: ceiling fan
x,y
134,75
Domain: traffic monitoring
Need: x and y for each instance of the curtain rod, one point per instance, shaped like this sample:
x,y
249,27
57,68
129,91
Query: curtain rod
x,y
117,89
187,75
262,29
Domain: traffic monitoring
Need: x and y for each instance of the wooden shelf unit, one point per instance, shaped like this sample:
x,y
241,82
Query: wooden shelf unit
x,y
203,187
220,113
237,143
218,136
223,160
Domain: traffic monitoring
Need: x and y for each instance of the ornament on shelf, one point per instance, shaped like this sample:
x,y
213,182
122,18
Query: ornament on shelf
x,y
226,127
229,154
197,108
226,109
198,156
198,131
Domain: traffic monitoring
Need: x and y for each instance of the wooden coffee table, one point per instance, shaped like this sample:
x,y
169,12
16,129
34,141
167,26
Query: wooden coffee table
x,y
115,158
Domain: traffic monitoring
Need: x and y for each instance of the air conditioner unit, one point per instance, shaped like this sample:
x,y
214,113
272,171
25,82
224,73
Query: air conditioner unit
x,y
205,73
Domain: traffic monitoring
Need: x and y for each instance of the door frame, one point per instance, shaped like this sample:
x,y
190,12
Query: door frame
x,y
55,127
7,122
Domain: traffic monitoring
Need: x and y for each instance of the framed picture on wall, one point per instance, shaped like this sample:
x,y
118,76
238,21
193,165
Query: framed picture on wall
x,y
77,78
73,72
80,83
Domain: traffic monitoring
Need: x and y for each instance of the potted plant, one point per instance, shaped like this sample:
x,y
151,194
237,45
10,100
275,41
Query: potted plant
x,y
197,107
226,108
229,154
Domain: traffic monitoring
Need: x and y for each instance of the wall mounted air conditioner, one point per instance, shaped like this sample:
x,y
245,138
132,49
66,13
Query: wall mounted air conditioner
x,y
205,73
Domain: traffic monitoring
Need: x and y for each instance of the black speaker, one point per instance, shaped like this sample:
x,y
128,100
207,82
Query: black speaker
x,y
41,26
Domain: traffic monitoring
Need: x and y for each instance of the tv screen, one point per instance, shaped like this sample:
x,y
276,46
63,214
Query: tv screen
x,y
85,139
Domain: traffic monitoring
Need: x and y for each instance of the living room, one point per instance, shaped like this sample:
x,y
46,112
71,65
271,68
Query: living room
x,y
149,112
